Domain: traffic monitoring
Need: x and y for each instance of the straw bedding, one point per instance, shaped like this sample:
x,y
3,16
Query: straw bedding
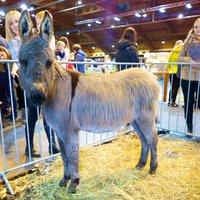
x,y
107,172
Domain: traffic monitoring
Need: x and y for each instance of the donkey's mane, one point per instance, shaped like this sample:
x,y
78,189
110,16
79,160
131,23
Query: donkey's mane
x,y
59,71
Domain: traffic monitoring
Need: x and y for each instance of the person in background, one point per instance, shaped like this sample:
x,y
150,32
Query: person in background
x,y
190,74
60,50
127,49
173,69
79,56
71,58
106,68
13,39
4,81
67,48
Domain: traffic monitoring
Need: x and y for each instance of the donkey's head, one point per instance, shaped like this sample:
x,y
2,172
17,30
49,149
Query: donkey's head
x,y
36,58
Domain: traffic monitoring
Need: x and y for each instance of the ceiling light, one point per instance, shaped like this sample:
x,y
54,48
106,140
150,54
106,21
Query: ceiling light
x,y
163,42
3,0
31,9
117,19
188,5
79,2
180,16
23,7
144,15
2,13
162,10
113,46
67,33
98,22
93,47
137,14
89,24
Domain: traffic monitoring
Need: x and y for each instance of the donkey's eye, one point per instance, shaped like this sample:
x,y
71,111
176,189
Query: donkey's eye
x,y
23,62
48,63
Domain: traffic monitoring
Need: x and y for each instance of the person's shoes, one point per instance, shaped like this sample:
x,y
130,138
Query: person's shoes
x,y
189,135
34,153
174,104
54,149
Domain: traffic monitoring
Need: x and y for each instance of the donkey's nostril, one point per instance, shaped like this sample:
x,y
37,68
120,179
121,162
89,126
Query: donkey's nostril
x,y
37,98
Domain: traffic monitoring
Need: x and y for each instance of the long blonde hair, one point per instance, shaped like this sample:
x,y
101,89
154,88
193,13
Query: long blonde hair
x,y
9,34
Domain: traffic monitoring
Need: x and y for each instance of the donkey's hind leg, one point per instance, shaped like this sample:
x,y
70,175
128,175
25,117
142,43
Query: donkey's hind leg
x,y
145,147
146,124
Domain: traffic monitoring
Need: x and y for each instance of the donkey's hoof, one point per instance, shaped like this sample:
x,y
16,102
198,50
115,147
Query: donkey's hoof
x,y
72,189
63,183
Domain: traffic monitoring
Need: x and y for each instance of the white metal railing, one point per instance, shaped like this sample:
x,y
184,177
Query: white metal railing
x,y
170,118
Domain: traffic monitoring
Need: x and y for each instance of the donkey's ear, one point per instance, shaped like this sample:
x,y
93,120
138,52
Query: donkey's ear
x,y
46,28
25,25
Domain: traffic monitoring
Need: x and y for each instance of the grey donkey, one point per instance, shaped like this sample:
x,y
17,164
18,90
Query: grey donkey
x,y
72,101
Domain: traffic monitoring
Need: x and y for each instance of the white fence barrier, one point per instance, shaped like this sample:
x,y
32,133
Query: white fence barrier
x,y
12,141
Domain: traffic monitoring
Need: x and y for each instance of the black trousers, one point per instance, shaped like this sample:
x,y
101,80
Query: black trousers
x,y
190,90
175,84
32,119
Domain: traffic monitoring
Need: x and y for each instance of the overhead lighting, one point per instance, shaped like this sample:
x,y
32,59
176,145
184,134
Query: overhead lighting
x,y
2,13
117,19
23,7
138,15
89,24
93,47
162,10
3,0
180,16
67,33
113,46
144,15
98,22
163,42
31,9
79,2
188,5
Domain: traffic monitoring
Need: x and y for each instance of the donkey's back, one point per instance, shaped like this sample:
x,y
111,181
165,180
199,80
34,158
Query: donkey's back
x,y
108,102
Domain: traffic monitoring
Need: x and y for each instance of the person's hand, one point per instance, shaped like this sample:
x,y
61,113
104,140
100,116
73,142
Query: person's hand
x,y
13,73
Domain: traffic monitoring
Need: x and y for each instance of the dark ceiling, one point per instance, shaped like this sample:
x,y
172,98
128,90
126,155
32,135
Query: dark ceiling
x,y
156,27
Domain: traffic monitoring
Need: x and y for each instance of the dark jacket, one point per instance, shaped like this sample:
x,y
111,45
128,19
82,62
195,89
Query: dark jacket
x,y
80,57
127,52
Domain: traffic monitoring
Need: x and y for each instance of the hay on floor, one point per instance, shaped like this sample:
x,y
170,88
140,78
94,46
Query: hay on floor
x,y
107,172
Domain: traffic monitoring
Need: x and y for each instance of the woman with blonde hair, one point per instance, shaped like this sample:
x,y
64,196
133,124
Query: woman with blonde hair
x,y
190,74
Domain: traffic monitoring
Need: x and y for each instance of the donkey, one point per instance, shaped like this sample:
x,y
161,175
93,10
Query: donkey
x,y
73,101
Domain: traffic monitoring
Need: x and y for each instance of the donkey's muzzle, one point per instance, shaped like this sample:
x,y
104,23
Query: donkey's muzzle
x,y
37,94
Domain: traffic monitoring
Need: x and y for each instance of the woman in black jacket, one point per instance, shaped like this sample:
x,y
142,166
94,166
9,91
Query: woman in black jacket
x,y
127,49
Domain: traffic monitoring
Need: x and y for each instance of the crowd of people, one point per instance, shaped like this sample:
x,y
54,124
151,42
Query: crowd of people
x,y
10,91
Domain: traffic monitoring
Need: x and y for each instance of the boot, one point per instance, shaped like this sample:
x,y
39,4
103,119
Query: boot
x,y
34,153
53,148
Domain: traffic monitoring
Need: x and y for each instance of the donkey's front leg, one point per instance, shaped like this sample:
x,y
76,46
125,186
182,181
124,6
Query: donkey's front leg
x,y
66,177
71,143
